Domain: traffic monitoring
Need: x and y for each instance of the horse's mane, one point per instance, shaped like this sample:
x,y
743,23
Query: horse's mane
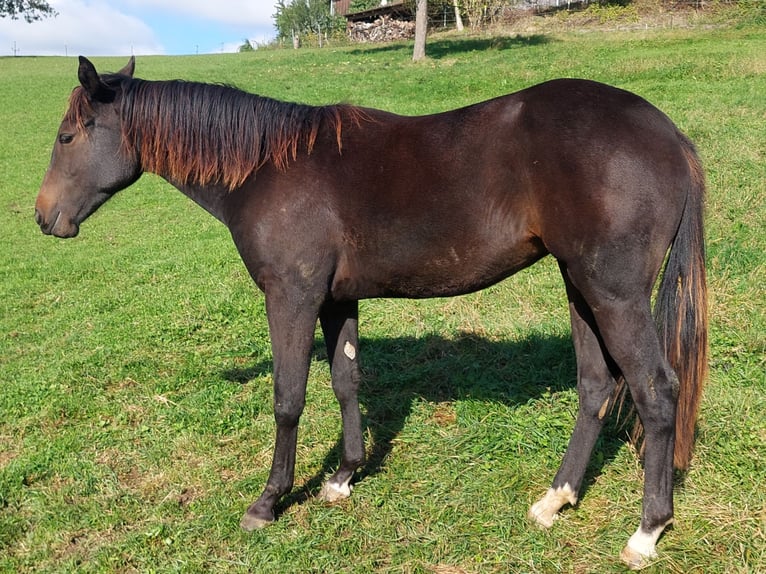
x,y
194,133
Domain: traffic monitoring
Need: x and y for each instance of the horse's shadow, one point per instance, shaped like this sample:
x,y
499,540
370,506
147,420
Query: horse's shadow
x,y
398,371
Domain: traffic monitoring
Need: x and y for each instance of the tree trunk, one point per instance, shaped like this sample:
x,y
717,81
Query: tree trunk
x,y
421,27
458,19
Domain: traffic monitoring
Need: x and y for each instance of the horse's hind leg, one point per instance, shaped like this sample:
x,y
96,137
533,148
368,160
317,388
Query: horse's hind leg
x,y
595,386
340,327
631,337
622,311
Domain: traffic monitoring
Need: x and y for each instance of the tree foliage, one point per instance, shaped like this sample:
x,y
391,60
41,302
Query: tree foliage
x,y
360,5
30,10
295,18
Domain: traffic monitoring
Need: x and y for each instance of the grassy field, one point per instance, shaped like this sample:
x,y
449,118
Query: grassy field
x,y
135,385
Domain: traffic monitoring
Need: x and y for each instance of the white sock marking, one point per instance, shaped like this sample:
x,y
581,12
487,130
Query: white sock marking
x,y
332,492
641,547
545,510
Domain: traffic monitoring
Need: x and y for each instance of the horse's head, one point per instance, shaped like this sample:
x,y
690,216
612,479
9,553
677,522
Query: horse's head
x,y
88,163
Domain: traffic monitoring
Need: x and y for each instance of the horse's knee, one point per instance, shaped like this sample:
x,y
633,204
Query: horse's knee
x,y
288,413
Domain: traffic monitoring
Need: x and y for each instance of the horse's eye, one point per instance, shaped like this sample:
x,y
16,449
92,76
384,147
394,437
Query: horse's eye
x,y
66,138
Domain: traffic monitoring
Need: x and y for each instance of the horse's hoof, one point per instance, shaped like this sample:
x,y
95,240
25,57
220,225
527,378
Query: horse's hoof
x,y
634,560
252,522
546,510
333,492
541,517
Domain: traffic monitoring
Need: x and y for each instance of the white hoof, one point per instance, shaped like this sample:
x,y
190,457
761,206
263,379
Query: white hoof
x,y
545,511
634,560
542,516
334,492
641,548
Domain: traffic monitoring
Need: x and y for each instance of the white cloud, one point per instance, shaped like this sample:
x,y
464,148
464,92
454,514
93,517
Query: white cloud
x,y
81,27
121,27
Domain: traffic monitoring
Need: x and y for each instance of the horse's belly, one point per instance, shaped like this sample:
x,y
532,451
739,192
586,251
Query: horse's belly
x,y
439,273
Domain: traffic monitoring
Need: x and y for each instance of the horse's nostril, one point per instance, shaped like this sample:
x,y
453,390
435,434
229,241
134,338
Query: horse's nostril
x,y
38,217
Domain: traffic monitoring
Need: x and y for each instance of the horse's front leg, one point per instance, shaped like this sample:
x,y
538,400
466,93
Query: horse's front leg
x,y
340,327
291,324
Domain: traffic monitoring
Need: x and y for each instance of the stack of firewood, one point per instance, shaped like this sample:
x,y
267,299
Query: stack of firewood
x,y
383,29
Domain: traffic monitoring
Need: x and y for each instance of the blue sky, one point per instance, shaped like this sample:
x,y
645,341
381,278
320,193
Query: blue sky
x,y
141,27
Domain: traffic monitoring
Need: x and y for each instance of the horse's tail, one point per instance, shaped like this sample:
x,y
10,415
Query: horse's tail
x,y
681,310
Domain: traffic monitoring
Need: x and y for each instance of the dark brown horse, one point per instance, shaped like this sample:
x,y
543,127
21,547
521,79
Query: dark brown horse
x,y
330,205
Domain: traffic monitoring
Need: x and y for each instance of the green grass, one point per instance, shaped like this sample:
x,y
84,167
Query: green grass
x,y
135,407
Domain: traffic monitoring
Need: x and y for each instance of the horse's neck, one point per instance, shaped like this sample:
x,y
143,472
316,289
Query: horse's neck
x,y
210,197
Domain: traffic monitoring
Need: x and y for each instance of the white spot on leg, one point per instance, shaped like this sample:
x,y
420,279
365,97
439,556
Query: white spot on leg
x,y
349,350
545,510
602,410
641,548
332,492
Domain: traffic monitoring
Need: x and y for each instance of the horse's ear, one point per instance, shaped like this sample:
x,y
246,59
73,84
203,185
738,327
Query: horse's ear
x,y
90,80
129,68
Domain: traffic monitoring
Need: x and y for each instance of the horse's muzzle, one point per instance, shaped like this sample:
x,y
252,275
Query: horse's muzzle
x,y
55,226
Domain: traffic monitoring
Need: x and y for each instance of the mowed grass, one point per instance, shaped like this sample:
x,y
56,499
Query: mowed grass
x,y
135,368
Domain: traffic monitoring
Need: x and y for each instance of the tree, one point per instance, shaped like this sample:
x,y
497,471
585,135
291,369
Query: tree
x,y
458,18
421,28
298,17
477,11
30,10
289,20
426,11
320,18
